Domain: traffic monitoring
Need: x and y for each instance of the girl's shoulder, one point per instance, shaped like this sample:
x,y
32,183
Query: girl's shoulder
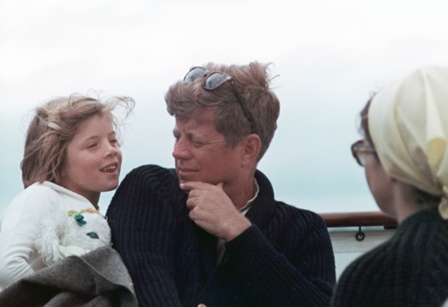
x,y
33,202
37,192
52,193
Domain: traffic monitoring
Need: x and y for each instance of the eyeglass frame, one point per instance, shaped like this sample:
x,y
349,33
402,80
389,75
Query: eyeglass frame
x,y
229,78
360,148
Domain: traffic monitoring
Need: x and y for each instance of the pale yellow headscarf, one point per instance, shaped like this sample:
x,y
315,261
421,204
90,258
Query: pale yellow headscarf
x,y
408,123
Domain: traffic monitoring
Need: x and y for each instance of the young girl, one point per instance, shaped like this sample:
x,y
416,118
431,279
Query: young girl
x,y
71,155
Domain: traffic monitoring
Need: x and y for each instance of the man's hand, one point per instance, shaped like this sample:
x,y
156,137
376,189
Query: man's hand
x,y
212,210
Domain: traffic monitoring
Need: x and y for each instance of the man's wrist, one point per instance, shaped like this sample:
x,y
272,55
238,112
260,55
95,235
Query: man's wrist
x,y
237,229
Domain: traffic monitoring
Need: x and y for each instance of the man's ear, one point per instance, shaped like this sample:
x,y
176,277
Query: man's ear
x,y
252,147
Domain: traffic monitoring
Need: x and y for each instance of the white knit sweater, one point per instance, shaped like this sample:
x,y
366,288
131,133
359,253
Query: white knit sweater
x,y
20,223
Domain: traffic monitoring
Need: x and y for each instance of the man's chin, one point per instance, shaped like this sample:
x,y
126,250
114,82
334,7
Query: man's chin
x,y
182,179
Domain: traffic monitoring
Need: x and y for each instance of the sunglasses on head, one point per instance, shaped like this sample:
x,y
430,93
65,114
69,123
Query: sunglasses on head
x,y
215,79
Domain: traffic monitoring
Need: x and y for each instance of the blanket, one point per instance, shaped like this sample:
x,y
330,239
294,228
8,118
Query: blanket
x,y
98,279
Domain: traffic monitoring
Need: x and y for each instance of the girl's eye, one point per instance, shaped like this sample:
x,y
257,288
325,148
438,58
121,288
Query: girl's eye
x,y
92,145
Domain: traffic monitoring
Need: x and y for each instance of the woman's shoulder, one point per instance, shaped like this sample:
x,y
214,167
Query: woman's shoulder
x,y
370,270
411,259
416,244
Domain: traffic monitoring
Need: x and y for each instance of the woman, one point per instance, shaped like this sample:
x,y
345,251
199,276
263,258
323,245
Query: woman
x,y
405,155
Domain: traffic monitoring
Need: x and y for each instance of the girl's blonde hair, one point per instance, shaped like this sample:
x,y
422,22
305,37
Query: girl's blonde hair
x,y
52,128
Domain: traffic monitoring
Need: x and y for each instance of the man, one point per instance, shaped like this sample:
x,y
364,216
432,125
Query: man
x,y
211,232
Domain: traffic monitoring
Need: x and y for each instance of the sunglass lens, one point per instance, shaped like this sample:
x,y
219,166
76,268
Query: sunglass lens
x,y
194,73
215,80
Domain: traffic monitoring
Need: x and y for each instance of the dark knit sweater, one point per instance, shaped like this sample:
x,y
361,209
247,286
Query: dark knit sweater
x,y
284,259
410,269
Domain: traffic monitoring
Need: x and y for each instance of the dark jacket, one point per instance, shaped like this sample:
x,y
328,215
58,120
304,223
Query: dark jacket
x,y
284,259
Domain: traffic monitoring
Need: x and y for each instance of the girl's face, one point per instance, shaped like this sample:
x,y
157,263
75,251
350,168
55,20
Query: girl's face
x,y
93,159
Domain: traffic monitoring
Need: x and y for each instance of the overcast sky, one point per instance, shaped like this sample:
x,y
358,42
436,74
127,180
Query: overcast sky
x,y
330,56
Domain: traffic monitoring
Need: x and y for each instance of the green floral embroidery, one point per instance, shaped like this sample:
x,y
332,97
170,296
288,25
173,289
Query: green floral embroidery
x,y
79,218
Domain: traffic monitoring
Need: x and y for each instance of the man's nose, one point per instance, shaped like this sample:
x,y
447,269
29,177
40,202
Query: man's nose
x,y
181,149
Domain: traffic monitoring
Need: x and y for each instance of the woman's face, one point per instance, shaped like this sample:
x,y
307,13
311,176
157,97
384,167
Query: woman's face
x,y
93,159
378,180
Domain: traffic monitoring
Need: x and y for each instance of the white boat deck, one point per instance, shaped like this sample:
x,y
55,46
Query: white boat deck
x,y
355,233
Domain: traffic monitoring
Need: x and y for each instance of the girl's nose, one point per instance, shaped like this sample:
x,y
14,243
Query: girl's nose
x,y
112,149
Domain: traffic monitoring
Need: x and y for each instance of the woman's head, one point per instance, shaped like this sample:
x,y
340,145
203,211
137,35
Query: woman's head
x,y
406,124
249,88
54,126
422,198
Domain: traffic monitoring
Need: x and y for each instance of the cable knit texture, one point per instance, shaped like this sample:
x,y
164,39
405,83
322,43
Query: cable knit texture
x,y
410,269
284,259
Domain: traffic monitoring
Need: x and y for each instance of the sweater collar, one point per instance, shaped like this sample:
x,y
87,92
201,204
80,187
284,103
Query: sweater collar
x,y
262,209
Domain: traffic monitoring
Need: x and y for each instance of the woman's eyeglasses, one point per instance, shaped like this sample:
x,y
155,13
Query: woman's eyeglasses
x,y
360,150
214,80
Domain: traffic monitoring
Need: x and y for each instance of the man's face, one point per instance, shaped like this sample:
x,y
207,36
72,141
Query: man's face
x,y
202,154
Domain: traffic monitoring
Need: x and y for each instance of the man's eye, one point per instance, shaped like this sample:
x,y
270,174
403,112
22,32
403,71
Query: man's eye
x,y
197,143
176,135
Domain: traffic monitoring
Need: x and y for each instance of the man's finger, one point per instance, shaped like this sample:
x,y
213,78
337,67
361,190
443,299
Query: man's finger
x,y
194,185
187,186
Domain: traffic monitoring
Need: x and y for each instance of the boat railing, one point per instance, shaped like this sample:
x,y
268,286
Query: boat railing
x,y
359,220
